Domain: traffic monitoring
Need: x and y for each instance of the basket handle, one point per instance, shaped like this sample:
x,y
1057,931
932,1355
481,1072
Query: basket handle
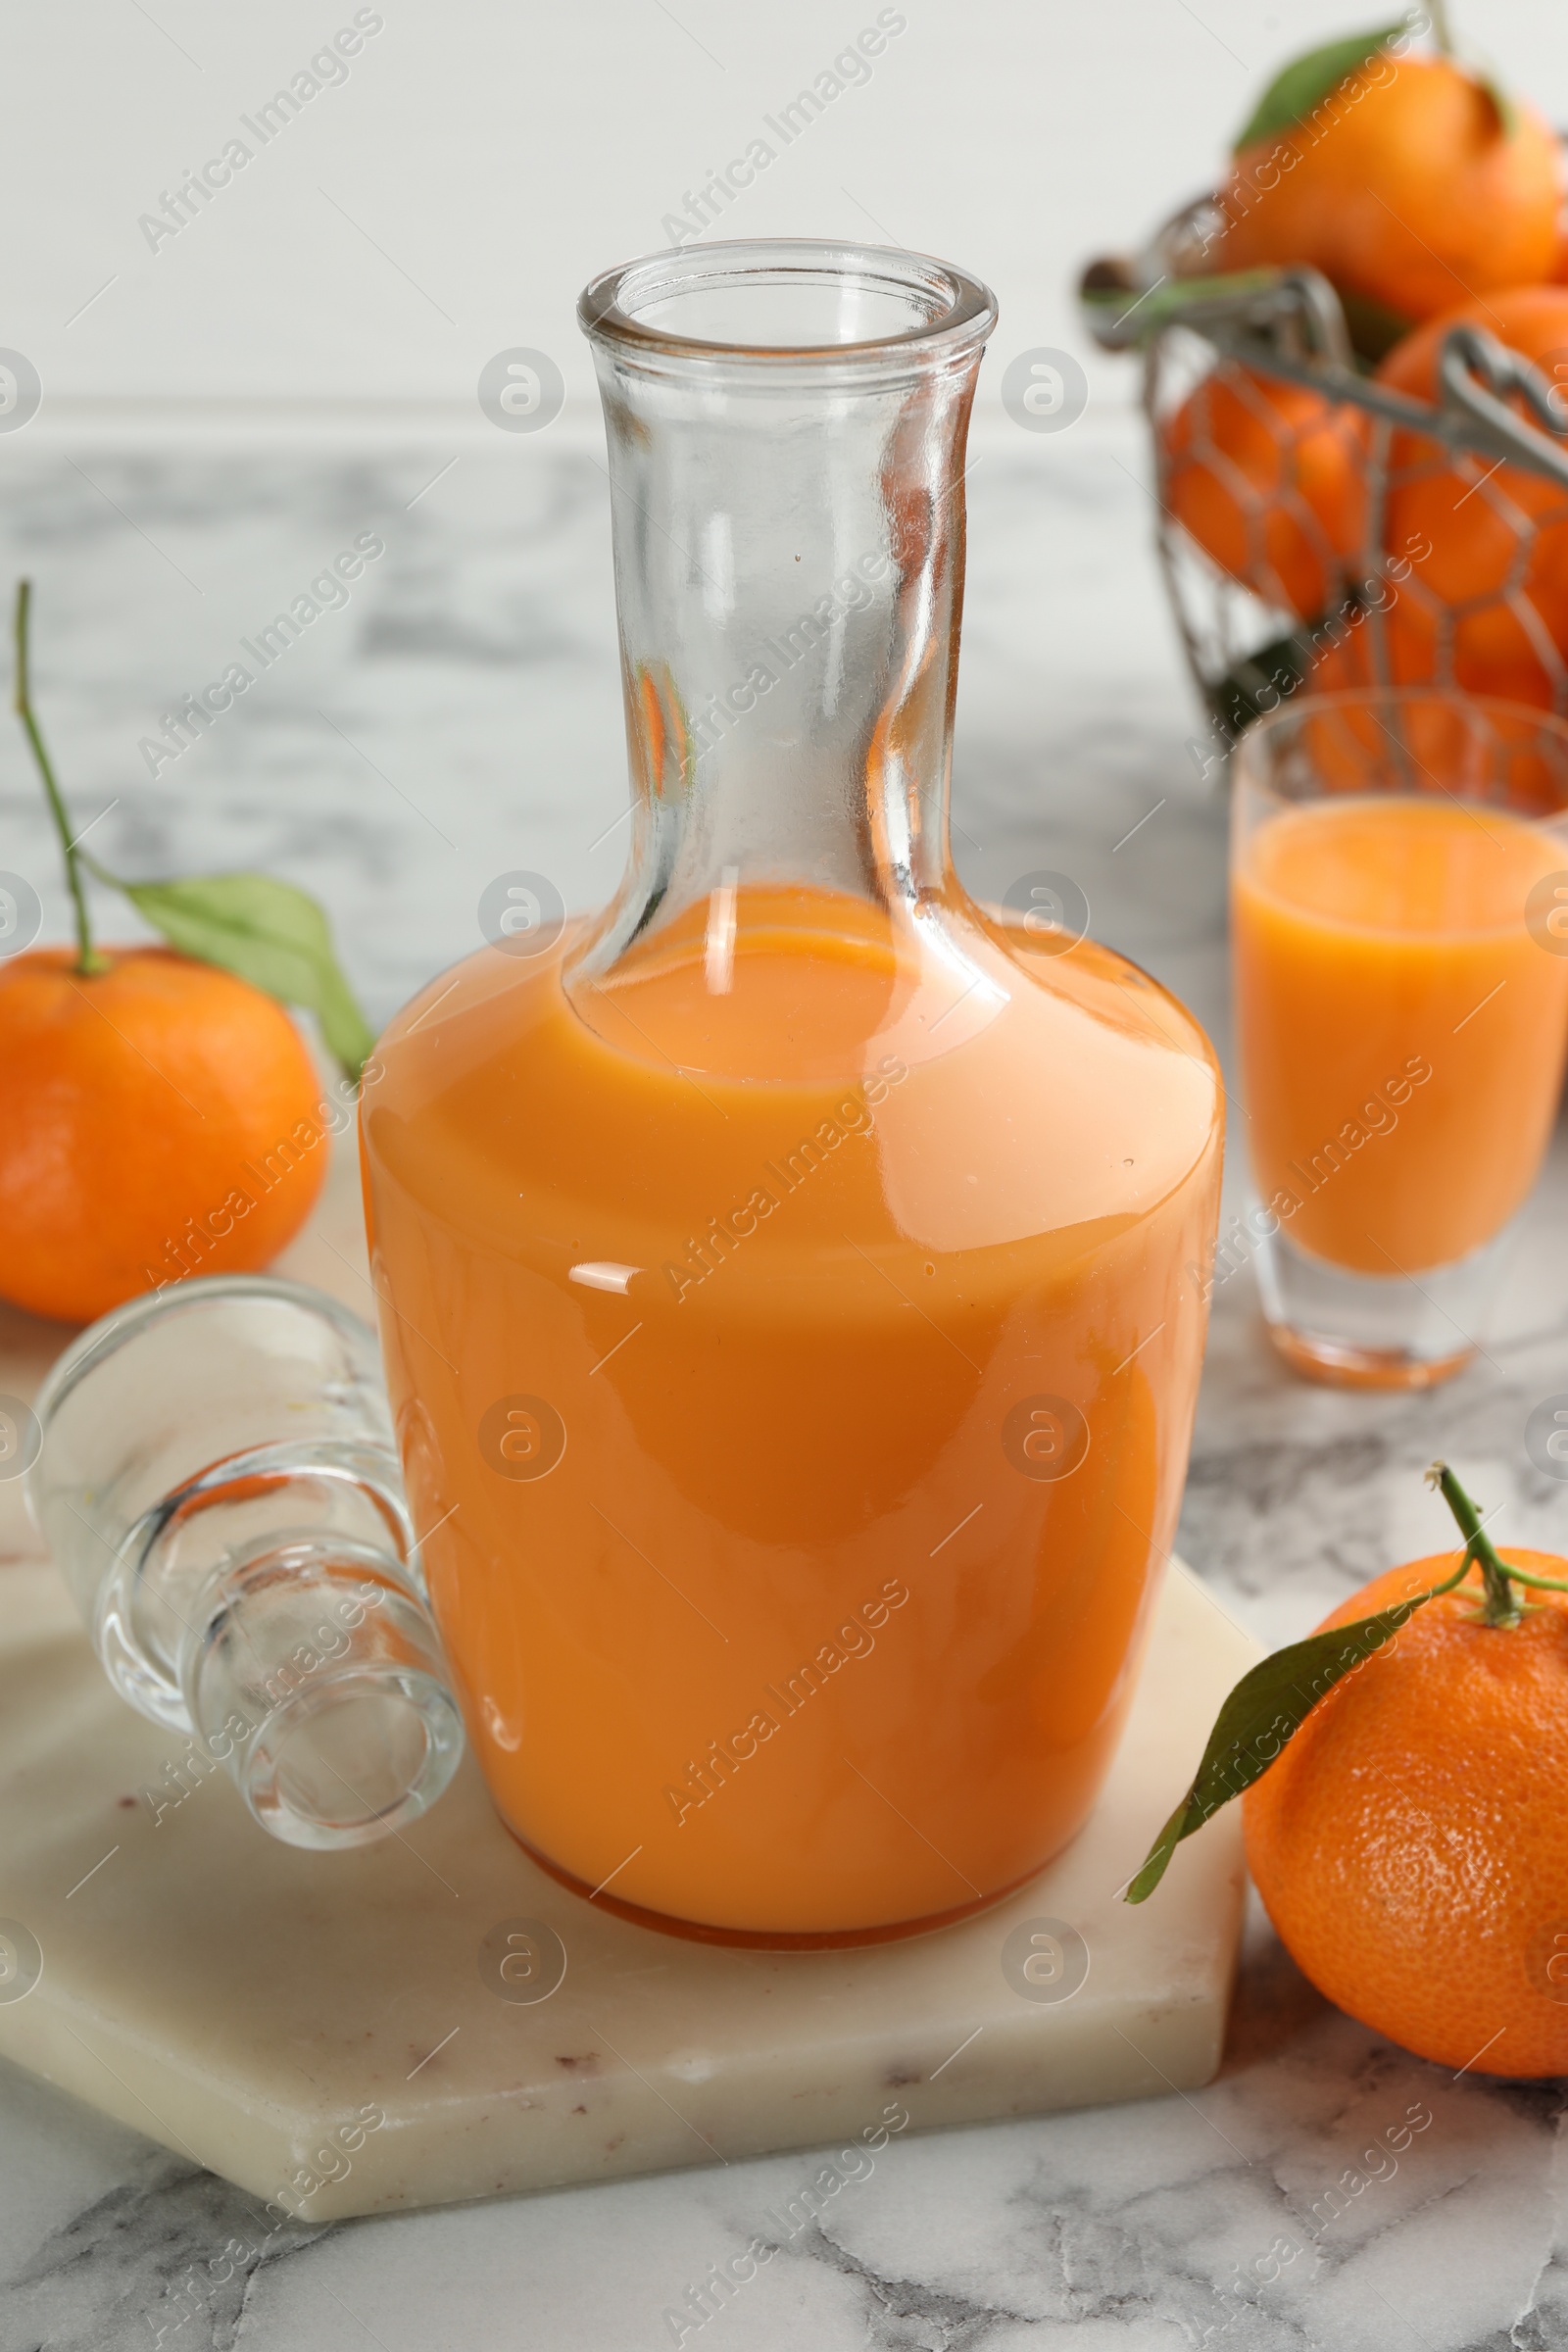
x,y
1289,323
1474,372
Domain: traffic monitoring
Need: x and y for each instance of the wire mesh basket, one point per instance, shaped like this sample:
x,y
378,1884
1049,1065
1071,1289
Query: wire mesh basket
x,y
1320,527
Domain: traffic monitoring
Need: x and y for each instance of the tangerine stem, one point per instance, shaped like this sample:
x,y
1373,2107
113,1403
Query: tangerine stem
x,y
88,958
1501,1608
1542,1584
1435,1592
1438,11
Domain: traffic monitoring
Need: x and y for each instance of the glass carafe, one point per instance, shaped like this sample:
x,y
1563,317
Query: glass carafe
x,y
789,1315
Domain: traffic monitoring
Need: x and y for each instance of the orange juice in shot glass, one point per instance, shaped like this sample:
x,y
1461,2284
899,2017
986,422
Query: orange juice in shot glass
x,y
1399,936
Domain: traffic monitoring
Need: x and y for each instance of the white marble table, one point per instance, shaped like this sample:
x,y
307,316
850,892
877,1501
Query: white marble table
x,y
461,717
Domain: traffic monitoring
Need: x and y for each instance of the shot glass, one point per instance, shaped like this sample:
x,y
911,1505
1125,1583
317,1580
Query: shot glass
x,y
1400,935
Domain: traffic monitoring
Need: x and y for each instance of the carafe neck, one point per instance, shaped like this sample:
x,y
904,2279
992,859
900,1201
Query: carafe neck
x,y
787,522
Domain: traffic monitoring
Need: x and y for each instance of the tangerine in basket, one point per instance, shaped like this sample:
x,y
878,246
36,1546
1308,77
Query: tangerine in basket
x,y
1338,658
1268,478
1486,608
1411,183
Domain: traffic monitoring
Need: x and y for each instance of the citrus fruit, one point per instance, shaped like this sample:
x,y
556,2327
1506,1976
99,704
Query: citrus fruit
x,y
1486,608
1268,478
1412,186
1338,658
1411,1842
163,1118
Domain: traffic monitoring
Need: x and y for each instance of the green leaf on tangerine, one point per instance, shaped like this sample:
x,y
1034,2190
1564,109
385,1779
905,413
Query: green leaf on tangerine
x,y
268,933
1307,80
1262,1714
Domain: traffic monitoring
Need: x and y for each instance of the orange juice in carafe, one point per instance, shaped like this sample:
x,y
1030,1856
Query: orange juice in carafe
x,y
786,1282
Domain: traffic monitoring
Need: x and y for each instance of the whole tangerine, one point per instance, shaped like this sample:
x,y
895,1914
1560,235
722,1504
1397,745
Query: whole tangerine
x,y
1411,1842
1486,607
163,1118
1268,477
1412,186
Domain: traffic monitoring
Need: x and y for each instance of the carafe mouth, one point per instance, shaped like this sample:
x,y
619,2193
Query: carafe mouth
x,y
780,305
785,425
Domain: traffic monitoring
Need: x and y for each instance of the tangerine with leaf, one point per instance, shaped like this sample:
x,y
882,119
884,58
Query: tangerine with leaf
x,y
1402,1775
163,1113
1410,181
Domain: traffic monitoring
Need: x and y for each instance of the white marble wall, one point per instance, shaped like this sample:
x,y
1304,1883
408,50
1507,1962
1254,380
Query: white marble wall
x,y
481,160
